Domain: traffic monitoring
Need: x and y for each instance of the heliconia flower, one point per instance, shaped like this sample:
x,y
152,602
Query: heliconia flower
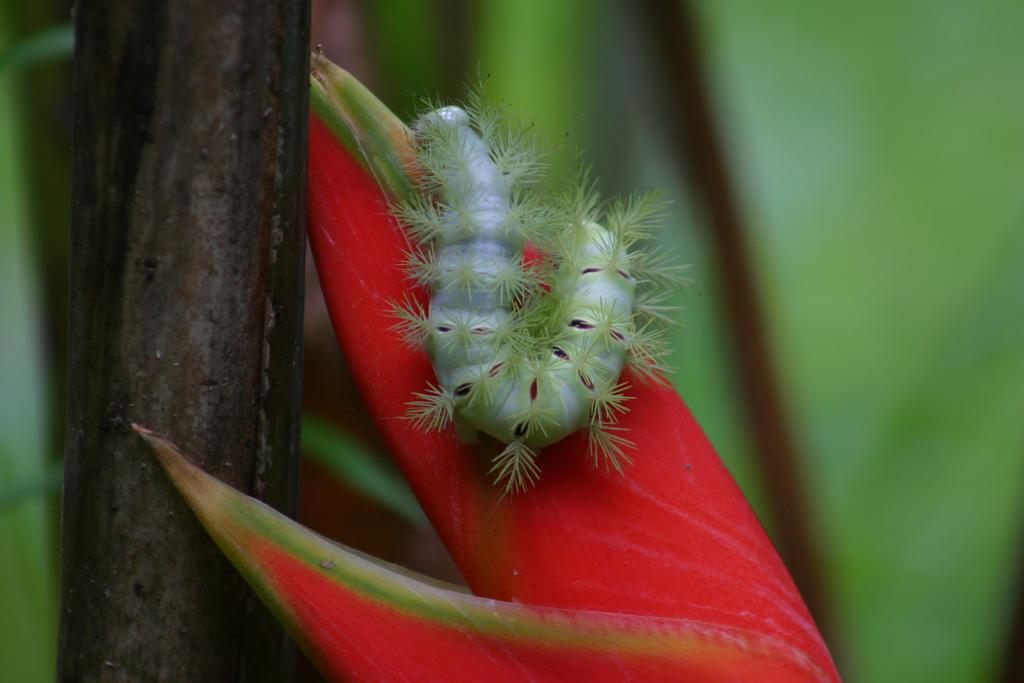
x,y
672,538
660,573
360,619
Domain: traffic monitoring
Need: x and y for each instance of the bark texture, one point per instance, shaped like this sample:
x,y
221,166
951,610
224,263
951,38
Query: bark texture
x,y
185,316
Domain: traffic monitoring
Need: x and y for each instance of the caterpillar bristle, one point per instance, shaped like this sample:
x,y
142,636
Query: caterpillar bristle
x,y
606,444
420,217
463,274
440,150
583,356
420,265
513,152
652,309
516,467
411,321
512,335
433,410
659,268
511,282
583,200
647,352
521,166
608,325
527,218
609,247
609,403
535,422
482,386
515,155
636,217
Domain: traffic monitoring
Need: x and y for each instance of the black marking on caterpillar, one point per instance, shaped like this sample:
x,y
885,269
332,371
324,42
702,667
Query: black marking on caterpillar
x,y
526,353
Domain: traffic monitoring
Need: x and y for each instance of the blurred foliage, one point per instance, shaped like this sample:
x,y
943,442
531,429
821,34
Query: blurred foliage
x,y
28,563
51,44
879,153
19,489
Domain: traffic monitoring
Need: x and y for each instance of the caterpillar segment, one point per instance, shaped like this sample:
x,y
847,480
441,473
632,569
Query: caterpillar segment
x,y
528,354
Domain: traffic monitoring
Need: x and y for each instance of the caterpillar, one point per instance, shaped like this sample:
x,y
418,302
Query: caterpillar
x,y
526,352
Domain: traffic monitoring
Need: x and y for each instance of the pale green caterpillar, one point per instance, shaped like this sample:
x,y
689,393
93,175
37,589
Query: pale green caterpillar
x,y
526,353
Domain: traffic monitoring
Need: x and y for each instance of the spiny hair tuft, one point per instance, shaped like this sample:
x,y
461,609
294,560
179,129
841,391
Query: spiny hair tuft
x,y
411,321
516,467
433,409
608,445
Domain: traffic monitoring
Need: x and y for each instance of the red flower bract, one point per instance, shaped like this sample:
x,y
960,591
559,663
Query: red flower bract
x,y
359,619
673,537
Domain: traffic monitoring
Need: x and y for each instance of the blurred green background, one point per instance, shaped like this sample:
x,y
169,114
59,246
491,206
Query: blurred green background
x,y
877,150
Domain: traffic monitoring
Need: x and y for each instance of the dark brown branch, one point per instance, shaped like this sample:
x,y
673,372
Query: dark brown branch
x,y
186,283
676,42
1013,665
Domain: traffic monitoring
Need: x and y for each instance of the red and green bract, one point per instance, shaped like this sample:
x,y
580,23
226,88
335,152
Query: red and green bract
x,y
673,538
359,619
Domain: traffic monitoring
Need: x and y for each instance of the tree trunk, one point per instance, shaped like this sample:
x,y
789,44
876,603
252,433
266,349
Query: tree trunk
x,y
186,278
